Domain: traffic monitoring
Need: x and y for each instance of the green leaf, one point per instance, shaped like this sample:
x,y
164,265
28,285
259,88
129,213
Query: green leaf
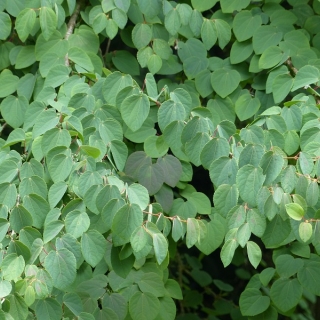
x,y
4,226
312,193
305,231
125,221
38,208
227,251
116,302
252,302
45,121
162,48
143,306
81,58
93,247
5,25
8,171
137,104
257,222
240,51
111,28
29,295
246,106
119,153
209,33
309,276
281,87
48,309
203,83
223,32
265,37
155,146
77,223
151,86
138,194
229,6
292,142
141,35
5,288
194,146
251,154
287,266
154,63
276,232
214,237
48,22
170,111
249,180
225,198
152,177
201,202
18,307
177,229
51,230
271,164
225,81
254,253
90,151
139,239
243,234
86,316
121,265
295,211
126,62
119,17
13,110
193,232
203,6
214,149
306,76
172,21
57,76
17,135
55,137
8,84
60,167
167,309
160,246
223,171
12,266
270,57
286,293
245,24
61,265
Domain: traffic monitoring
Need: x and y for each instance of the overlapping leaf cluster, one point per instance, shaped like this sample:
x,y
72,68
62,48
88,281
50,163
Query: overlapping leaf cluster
x,y
98,150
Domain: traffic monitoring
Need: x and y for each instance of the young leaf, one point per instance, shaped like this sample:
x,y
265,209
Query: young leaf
x,y
305,231
295,211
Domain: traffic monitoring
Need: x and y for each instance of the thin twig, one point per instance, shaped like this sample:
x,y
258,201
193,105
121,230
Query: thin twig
x,y
70,27
108,47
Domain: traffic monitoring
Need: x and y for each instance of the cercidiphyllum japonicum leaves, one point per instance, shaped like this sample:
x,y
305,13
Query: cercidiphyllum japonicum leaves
x,y
100,160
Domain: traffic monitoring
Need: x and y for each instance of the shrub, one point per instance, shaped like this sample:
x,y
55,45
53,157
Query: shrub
x,y
109,111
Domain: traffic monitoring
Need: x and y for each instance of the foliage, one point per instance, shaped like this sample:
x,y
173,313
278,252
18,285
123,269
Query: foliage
x,y
109,111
